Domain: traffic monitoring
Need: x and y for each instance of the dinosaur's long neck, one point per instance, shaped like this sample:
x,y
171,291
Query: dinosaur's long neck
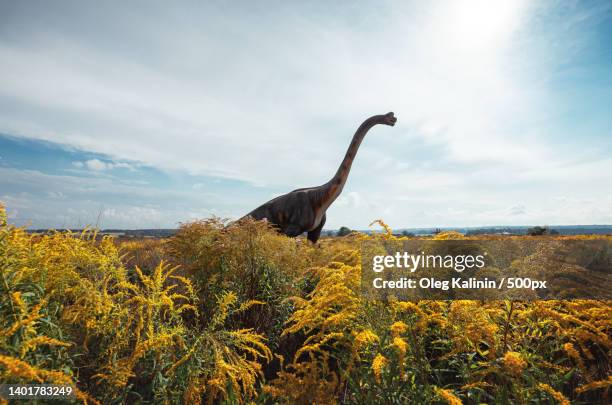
x,y
333,188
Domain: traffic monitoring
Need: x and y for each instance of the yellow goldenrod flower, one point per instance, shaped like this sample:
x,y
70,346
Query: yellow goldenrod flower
x,y
554,393
398,328
448,396
401,345
19,368
594,385
378,364
514,363
364,338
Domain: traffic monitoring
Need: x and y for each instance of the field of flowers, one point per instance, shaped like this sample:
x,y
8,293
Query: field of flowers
x,y
240,314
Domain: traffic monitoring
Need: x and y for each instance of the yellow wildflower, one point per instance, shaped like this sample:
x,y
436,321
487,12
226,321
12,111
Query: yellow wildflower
x,y
18,368
364,338
478,384
30,319
398,328
401,345
41,340
407,306
16,297
449,235
514,363
448,396
594,385
387,228
378,364
402,348
554,393
573,354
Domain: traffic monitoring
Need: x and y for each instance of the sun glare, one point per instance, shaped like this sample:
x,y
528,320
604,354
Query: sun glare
x,y
474,26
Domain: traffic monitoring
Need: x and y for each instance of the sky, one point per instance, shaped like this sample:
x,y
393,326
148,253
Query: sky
x,y
151,114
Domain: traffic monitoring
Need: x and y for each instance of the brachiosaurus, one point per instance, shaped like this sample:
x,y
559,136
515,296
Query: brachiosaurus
x,y
303,210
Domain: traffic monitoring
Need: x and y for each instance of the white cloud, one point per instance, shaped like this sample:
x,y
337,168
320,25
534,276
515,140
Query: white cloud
x,y
56,195
350,199
132,216
517,210
98,165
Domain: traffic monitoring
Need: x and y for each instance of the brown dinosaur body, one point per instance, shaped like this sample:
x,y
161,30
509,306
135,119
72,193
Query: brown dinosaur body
x,y
303,210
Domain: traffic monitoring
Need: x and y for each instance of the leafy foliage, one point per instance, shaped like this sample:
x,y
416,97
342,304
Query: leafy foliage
x,y
237,314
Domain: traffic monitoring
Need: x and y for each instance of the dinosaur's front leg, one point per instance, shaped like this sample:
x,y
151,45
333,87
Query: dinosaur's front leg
x,y
314,235
293,230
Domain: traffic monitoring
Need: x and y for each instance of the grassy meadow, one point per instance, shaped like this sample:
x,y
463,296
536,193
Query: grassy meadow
x,y
240,314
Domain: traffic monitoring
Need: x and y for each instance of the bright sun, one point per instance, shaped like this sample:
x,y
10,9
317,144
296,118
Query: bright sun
x,y
474,26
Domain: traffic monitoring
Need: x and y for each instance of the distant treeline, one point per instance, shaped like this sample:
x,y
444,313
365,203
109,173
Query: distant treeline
x,y
491,230
496,230
560,230
122,233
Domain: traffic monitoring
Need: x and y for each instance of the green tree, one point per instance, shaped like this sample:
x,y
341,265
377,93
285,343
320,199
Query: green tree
x,y
343,231
537,231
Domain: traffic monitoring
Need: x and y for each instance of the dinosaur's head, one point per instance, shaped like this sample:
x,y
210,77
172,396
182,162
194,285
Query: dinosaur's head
x,y
389,119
